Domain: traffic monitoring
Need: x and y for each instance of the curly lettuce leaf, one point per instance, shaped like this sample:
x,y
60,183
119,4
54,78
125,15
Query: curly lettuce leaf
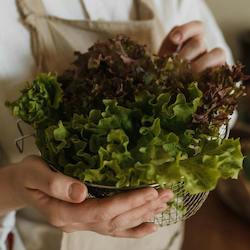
x,y
123,117
99,148
39,102
218,159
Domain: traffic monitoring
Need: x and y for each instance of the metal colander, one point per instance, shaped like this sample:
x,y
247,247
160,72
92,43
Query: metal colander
x,y
180,208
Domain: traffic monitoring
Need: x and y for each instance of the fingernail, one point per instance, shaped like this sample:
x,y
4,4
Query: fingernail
x,y
176,37
167,196
75,191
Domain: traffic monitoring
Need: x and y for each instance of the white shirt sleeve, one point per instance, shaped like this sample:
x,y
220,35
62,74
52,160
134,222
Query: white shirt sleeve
x,y
6,226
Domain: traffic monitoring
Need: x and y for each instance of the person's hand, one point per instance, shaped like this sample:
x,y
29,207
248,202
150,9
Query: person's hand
x,y
188,42
63,201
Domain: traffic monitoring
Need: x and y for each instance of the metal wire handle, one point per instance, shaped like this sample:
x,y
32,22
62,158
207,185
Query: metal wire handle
x,y
20,140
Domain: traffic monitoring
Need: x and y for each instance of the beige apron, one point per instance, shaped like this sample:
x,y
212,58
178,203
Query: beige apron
x,y
53,42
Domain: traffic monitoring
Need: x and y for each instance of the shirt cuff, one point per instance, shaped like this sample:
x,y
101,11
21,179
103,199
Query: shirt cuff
x,y
7,224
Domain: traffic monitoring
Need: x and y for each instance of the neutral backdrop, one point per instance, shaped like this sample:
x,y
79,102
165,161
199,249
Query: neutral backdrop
x,y
233,17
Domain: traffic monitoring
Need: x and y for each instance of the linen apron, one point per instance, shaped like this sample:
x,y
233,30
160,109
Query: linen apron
x,y
54,41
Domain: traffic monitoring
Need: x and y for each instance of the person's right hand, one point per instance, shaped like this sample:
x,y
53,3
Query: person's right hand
x,y
63,201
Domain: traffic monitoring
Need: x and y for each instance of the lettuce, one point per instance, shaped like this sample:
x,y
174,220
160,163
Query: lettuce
x,y
104,148
125,118
40,101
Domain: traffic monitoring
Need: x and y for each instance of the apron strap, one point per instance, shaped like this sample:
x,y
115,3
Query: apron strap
x,y
31,7
34,15
85,10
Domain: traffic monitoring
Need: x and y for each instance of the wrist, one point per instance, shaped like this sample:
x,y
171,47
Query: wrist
x,y
16,173
11,187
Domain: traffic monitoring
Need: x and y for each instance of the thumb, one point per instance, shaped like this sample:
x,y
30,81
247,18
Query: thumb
x,y
40,177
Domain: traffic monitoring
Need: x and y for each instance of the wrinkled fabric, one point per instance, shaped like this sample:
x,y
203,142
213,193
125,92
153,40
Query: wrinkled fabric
x,y
166,238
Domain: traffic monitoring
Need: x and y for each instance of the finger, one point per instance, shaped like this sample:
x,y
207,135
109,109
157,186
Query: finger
x,y
137,216
193,48
126,201
144,213
215,57
137,232
179,35
59,186
165,194
182,33
84,215
94,211
101,211
167,47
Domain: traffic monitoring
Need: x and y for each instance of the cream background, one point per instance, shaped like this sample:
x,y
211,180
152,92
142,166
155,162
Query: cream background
x,y
233,17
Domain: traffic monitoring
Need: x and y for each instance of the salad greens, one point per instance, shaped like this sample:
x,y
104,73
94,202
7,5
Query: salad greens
x,y
124,117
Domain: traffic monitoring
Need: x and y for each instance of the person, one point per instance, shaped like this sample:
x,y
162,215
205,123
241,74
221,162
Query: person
x,y
41,35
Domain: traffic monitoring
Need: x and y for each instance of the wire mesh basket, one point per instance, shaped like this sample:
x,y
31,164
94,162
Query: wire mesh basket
x,y
183,205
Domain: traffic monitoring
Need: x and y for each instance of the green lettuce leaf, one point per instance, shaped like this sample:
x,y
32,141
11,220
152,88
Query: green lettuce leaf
x,y
218,159
39,102
123,117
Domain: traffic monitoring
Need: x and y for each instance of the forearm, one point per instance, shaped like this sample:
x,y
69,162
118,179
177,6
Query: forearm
x,y
9,197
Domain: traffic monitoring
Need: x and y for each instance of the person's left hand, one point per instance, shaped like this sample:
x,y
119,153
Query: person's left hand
x,y
188,42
